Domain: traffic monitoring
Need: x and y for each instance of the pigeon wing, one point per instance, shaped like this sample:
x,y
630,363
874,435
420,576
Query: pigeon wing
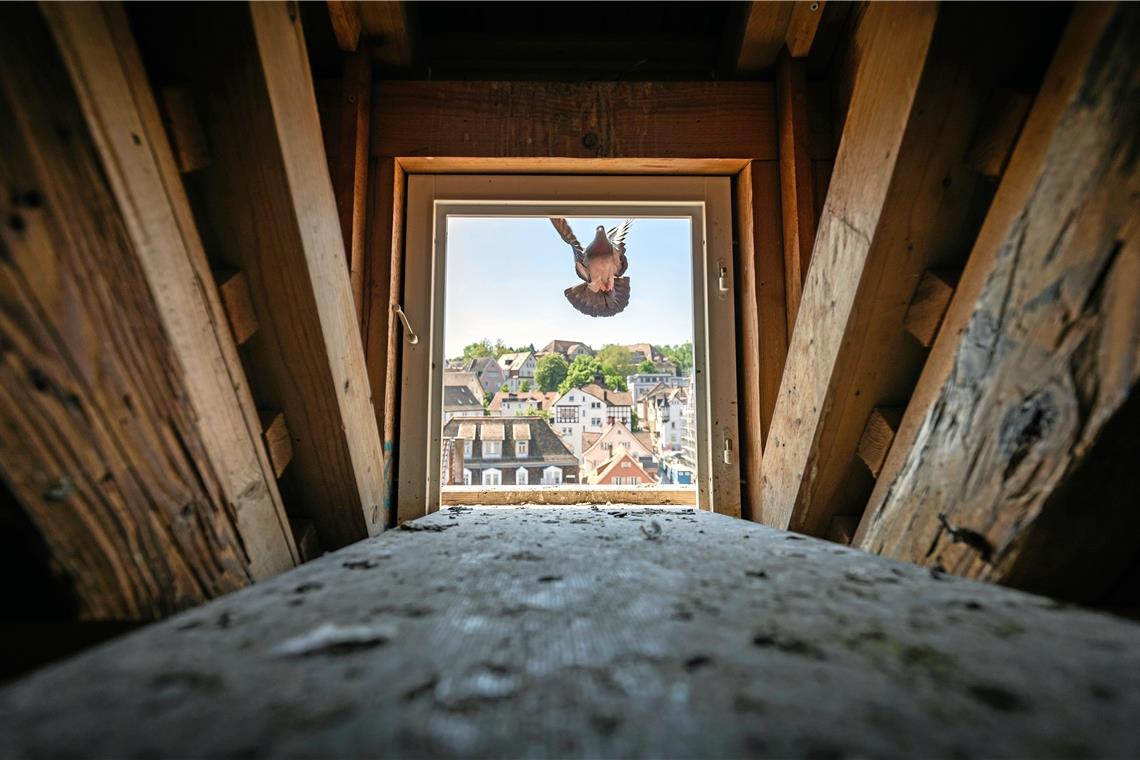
x,y
567,234
617,240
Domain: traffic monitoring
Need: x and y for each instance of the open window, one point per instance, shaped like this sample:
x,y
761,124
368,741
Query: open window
x,y
432,202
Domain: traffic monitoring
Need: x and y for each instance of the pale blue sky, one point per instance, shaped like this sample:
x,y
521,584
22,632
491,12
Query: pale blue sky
x,y
505,278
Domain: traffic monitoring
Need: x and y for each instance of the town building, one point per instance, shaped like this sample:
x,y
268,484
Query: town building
x,y
641,383
621,469
615,438
459,401
587,410
518,367
664,409
510,404
568,349
512,451
488,372
464,378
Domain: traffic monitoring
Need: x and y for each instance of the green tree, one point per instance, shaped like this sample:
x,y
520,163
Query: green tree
x,y
646,368
681,355
617,360
582,371
504,388
524,386
478,350
534,411
634,422
615,382
550,372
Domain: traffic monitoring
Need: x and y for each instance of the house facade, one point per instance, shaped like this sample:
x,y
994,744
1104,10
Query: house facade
x,y
518,367
514,404
642,383
621,469
618,405
664,417
568,349
461,377
459,401
488,372
576,412
511,451
616,438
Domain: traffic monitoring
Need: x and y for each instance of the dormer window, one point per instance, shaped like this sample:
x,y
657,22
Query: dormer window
x,y
492,449
522,448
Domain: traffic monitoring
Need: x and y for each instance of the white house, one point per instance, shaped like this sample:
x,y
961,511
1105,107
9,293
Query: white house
x,y
487,371
512,404
641,383
664,416
518,367
615,438
588,410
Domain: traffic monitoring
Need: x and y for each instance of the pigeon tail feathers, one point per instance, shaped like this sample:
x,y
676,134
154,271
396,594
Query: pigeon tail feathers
x,y
600,304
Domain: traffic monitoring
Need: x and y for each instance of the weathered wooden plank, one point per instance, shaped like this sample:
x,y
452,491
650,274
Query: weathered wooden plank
x,y
183,128
1004,114
385,29
233,287
121,112
895,40
909,204
877,436
350,167
103,445
278,444
722,167
796,181
1039,354
928,305
384,259
802,26
308,543
268,200
596,120
764,36
532,628
346,23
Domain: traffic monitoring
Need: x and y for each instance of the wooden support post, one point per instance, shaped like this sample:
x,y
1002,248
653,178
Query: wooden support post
x,y
183,128
278,444
762,345
350,167
1039,356
345,18
233,287
308,542
928,305
765,35
269,199
802,27
877,436
796,180
128,441
901,201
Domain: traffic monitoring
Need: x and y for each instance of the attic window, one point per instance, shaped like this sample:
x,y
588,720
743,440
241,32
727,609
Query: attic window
x,y
490,243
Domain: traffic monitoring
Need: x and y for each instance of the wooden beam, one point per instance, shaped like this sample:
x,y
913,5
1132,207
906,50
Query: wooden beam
x,y
796,179
761,311
308,542
1039,356
269,201
122,399
802,26
183,128
764,36
278,444
385,28
1005,113
554,120
346,24
877,436
928,305
720,167
233,287
797,488
350,167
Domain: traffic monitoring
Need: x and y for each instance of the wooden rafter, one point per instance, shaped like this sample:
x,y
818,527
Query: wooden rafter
x,y
1038,356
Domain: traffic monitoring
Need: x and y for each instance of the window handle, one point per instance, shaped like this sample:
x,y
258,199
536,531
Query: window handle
x,y
722,279
412,337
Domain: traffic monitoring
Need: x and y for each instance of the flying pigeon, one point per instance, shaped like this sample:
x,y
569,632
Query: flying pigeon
x,y
602,264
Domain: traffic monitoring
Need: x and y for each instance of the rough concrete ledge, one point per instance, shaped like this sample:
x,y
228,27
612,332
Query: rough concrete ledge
x,y
597,633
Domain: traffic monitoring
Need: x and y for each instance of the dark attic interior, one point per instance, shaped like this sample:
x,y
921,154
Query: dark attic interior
x,y
244,513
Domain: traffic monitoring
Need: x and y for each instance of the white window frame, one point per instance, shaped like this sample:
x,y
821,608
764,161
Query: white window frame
x,y
707,201
522,477
466,476
494,452
468,448
522,449
548,472
492,476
